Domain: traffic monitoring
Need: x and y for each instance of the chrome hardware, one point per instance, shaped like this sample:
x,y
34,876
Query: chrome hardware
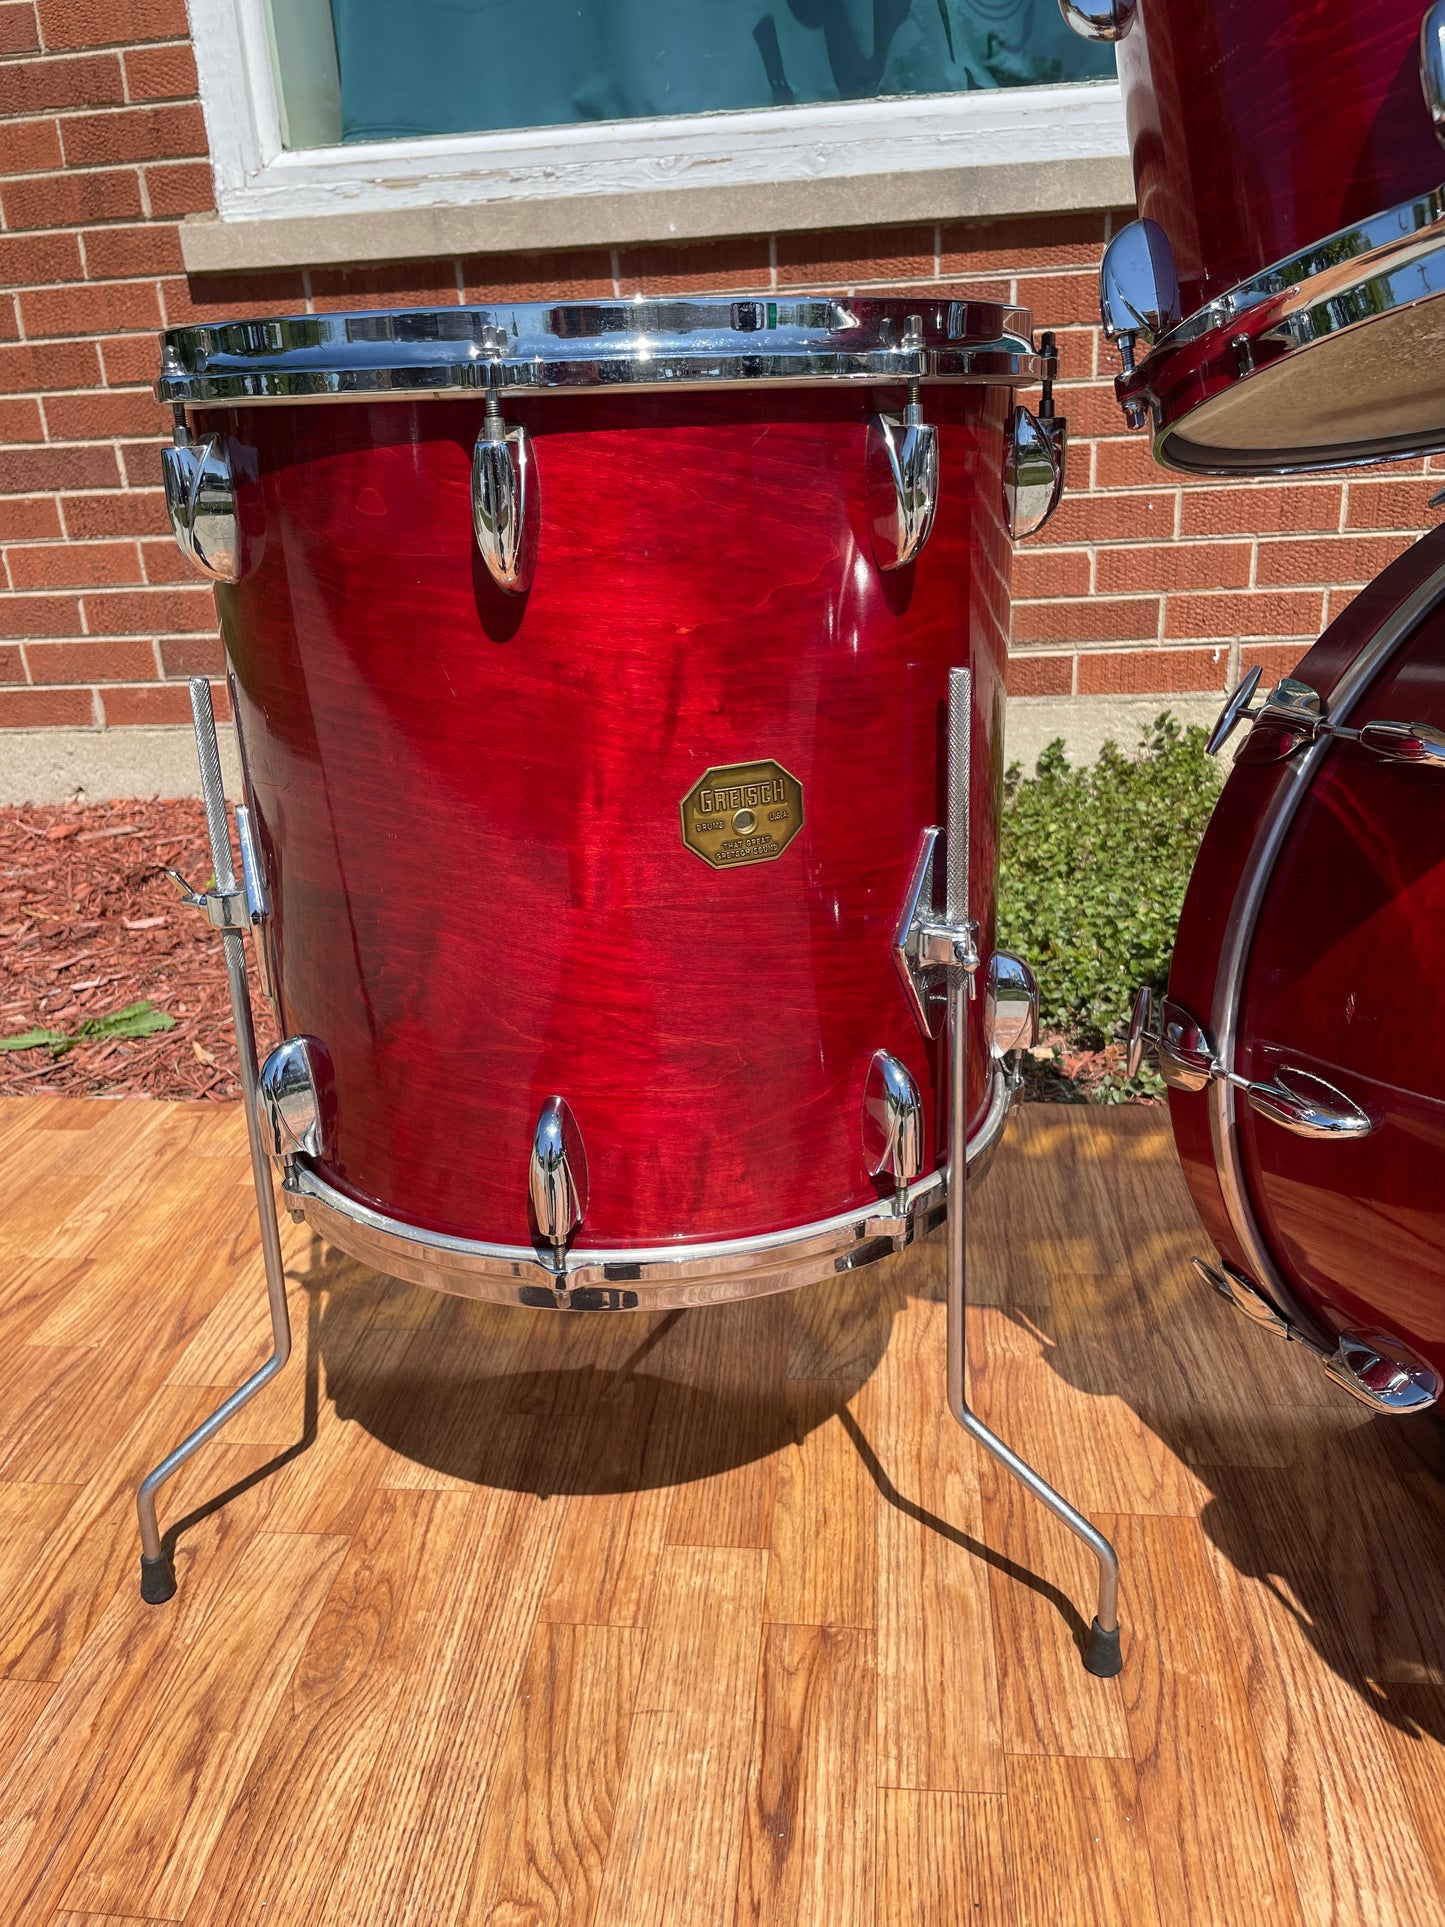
x,y
505,508
1011,1010
657,344
1297,1100
1138,294
1403,742
1140,1033
289,1098
924,943
225,909
1102,1655
1432,65
656,1277
157,1571
1099,19
1307,1106
1297,709
1186,1056
1235,710
557,1177
1372,1366
1383,1373
253,872
892,1126
1033,471
1246,1297
201,503
901,476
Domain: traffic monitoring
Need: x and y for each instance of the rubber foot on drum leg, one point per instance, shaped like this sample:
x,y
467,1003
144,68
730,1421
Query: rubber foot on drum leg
x,y
1103,1658
157,1579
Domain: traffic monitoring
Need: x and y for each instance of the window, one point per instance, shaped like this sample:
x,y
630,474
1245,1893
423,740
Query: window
x,y
371,70
421,127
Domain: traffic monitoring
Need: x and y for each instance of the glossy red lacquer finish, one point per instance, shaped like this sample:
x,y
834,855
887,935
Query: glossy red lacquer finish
x,y
469,802
1342,981
1258,127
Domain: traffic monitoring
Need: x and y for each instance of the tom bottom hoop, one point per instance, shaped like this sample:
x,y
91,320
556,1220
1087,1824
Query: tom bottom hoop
x,y
1330,359
661,1278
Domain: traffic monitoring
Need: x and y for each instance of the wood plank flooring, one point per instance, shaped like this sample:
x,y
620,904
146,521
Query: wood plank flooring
x,y
705,1620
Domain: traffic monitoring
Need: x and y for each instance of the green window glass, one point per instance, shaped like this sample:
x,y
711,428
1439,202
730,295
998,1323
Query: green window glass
x,y
474,66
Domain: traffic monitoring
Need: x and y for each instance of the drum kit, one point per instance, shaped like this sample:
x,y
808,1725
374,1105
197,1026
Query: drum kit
x,y
619,695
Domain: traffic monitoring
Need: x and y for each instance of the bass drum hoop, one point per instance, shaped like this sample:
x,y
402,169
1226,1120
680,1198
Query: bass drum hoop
x,y
657,1278
1296,779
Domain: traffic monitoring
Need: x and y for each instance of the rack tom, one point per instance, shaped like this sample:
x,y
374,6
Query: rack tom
x,y
1278,304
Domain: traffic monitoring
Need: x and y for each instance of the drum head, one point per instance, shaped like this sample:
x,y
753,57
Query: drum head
x,y
1330,359
1374,392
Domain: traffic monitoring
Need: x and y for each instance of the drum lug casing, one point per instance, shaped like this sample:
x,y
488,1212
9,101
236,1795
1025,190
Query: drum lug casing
x,y
1011,1009
1139,298
506,504
201,503
293,1099
557,1177
893,1129
1432,65
1099,19
901,471
1033,470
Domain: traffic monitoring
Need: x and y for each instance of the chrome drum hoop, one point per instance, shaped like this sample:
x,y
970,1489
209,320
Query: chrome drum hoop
x,y
1391,263
536,347
658,1278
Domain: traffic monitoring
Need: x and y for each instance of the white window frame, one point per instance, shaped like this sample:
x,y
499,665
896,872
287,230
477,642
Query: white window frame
x,y
257,179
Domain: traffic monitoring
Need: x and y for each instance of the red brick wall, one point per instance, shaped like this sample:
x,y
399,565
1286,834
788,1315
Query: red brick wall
x,y
1140,584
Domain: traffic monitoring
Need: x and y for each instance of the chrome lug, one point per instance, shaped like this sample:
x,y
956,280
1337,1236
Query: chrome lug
x,y
1138,288
557,1177
1099,19
1033,470
292,1098
200,497
506,508
1011,1009
901,474
892,1126
1383,1373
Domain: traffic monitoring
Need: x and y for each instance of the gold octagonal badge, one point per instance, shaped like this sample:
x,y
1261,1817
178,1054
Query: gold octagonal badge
x,y
744,813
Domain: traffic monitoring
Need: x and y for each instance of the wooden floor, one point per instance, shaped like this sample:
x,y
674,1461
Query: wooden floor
x,y
524,1618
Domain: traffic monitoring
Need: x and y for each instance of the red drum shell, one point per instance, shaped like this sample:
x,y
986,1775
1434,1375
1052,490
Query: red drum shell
x,y
469,802
1341,981
1258,127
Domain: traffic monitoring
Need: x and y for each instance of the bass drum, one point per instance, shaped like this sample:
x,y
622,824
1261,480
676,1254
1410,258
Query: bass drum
x,y
1301,1038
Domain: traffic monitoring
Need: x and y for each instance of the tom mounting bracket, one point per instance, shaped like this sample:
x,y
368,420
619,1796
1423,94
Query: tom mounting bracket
x,y
925,943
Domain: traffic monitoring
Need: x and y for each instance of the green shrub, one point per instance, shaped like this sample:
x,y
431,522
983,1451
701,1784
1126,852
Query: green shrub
x,y
1093,866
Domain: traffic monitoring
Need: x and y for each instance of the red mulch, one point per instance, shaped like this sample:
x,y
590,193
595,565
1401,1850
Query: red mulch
x,y
89,923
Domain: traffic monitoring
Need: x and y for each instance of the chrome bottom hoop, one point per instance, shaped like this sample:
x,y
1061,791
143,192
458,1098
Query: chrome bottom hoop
x,y
657,1278
1393,262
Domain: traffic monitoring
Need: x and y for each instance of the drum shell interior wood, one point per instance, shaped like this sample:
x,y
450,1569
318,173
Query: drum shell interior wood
x,y
469,802
1258,127
1341,982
